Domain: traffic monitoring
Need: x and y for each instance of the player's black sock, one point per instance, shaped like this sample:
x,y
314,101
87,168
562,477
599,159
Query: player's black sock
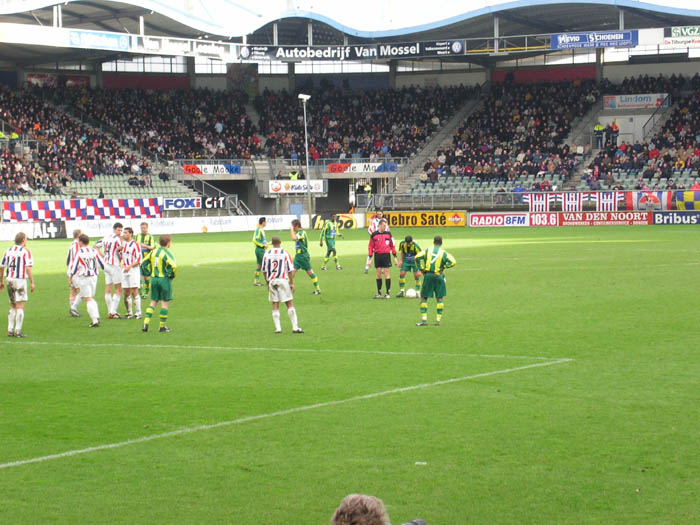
x,y
379,286
388,285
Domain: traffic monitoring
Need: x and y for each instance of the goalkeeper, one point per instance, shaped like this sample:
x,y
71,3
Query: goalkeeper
x,y
328,234
160,265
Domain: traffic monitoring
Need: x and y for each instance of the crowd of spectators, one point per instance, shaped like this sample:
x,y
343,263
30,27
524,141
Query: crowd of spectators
x,y
366,124
645,84
674,149
174,124
519,131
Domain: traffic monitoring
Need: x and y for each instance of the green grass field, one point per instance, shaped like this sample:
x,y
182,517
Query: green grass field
x,y
562,387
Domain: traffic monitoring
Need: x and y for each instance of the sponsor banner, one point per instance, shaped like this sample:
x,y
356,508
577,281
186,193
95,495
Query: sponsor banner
x,y
483,220
98,40
544,219
182,47
346,221
363,167
605,218
212,203
401,219
186,203
295,186
212,169
676,217
649,200
53,80
355,52
594,39
40,211
174,225
684,36
641,101
33,230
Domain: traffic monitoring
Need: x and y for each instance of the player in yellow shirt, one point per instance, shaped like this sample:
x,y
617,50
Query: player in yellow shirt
x,y
432,262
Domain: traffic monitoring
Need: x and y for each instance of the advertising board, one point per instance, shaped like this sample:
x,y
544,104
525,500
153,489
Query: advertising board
x,y
484,220
406,219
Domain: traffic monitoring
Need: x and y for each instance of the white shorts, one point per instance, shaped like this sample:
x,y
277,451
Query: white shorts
x,y
132,278
113,274
73,281
17,290
86,285
280,291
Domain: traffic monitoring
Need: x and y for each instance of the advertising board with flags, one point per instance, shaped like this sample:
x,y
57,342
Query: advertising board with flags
x,y
688,200
606,200
572,201
539,202
649,200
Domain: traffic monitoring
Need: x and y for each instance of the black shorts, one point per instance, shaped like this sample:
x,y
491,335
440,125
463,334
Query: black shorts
x,y
382,260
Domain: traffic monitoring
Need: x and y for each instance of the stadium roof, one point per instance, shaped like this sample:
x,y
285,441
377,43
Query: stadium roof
x,y
229,20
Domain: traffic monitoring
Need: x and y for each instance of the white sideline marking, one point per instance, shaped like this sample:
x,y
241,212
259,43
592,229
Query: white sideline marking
x,y
291,350
247,419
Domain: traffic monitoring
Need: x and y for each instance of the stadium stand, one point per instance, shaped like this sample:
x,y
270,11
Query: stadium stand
x,y
516,137
669,160
174,124
70,159
364,124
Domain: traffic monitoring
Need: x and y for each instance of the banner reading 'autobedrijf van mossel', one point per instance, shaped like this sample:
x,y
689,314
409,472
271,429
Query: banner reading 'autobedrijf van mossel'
x,y
594,39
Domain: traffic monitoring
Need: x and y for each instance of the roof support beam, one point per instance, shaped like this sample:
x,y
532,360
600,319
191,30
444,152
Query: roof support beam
x,y
621,16
496,34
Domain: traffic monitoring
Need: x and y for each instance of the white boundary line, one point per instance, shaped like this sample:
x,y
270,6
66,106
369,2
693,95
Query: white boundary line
x,y
291,350
247,419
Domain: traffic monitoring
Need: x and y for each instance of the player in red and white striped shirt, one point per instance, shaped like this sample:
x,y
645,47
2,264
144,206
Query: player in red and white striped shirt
x,y
84,271
278,269
131,276
17,264
112,246
74,298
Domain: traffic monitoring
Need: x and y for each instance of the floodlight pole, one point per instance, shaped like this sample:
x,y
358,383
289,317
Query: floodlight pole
x,y
308,173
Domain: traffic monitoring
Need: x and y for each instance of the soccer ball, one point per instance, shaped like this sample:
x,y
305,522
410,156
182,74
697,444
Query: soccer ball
x,y
411,293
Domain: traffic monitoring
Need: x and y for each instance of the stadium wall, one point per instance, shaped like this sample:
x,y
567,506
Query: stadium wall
x,y
145,81
213,82
546,74
442,79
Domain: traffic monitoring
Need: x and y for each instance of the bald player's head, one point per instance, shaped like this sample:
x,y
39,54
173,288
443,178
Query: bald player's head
x,y
276,241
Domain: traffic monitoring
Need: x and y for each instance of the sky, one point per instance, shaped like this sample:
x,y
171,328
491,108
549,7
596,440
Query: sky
x,y
240,17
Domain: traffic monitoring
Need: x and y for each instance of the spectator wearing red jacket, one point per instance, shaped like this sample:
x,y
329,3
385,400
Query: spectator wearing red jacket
x,y
381,245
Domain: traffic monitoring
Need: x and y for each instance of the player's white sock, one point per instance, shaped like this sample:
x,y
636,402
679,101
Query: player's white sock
x,y
137,304
76,303
108,302
128,305
276,320
19,319
93,311
293,317
11,320
115,303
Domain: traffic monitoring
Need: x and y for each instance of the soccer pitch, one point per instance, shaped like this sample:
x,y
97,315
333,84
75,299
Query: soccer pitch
x,y
560,388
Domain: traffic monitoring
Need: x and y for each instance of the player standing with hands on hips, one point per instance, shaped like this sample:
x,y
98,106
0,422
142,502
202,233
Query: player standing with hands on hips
x,y
17,264
433,262
381,245
278,269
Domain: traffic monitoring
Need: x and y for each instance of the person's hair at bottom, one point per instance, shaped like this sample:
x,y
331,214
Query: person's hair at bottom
x,y
358,509
164,240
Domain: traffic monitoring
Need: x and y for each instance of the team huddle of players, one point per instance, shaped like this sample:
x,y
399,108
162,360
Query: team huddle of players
x,y
124,259
279,269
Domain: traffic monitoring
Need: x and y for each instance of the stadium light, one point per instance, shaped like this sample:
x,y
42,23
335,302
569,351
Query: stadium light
x,y
304,98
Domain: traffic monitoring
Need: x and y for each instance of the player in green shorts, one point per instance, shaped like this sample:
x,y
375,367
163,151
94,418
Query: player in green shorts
x,y
161,266
433,262
260,246
328,234
407,257
147,244
302,259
